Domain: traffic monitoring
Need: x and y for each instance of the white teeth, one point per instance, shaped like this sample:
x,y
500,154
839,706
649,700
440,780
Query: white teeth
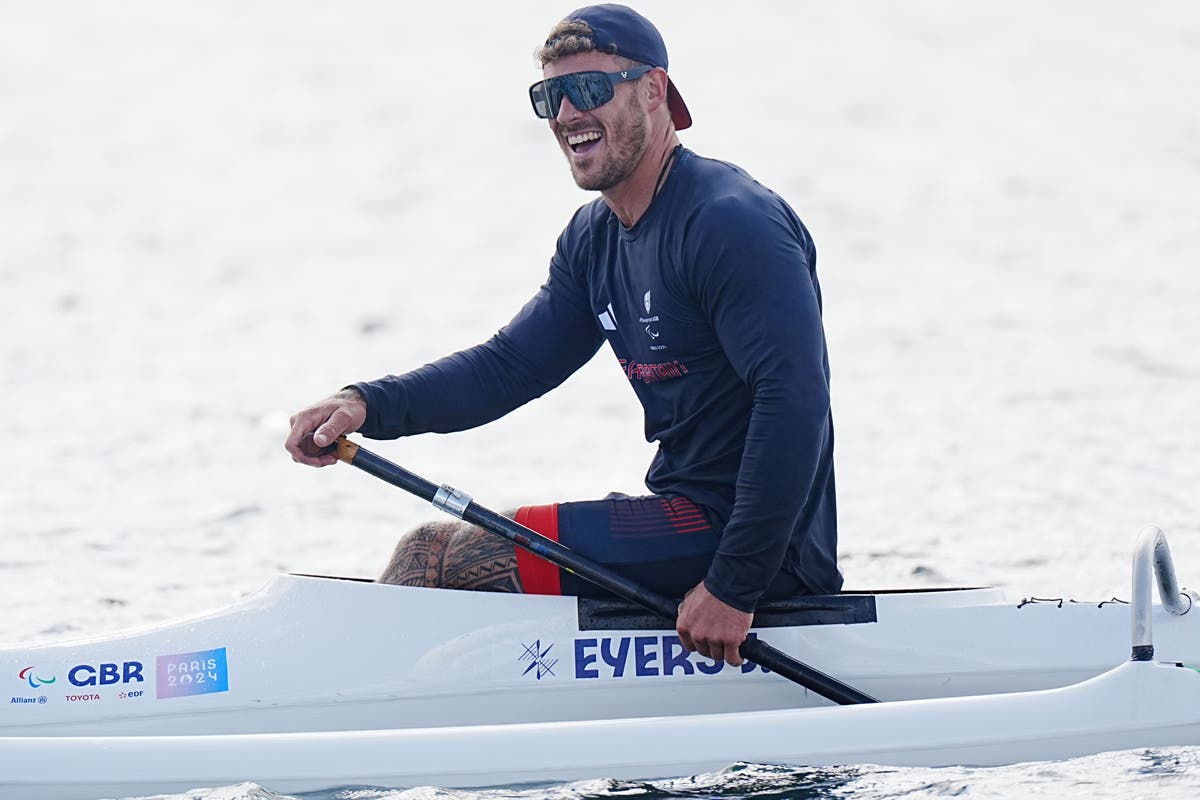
x,y
580,138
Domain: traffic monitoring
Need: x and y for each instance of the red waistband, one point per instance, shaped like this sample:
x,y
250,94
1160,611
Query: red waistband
x,y
538,576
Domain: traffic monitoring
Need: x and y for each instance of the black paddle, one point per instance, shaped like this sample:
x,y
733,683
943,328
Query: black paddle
x,y
460,505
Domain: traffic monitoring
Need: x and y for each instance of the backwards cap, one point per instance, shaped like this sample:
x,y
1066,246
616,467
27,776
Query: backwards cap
x,y
621,31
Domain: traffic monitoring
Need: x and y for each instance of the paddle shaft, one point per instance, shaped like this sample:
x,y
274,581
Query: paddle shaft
x,y
460,505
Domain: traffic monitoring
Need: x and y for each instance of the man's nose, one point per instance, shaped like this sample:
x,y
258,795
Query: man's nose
x,y
566,111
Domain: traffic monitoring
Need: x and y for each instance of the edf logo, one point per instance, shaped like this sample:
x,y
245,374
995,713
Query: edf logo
x,y
106,674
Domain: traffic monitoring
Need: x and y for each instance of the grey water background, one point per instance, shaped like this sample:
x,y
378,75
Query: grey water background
x,y
214,213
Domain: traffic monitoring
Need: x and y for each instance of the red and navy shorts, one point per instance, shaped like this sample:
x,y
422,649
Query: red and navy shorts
x,y
665,543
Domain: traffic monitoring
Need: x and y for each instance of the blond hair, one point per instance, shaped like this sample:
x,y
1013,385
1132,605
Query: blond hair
x,y
571,37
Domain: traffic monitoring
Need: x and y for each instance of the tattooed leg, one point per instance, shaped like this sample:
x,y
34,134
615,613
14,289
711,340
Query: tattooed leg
x,y
476,559
454,555
417,559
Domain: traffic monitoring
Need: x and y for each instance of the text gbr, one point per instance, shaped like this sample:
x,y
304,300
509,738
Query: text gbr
x,y
106,674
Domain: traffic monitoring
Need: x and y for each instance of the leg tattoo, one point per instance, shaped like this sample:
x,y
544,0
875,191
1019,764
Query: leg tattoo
x,y
418,557
482,561
454,555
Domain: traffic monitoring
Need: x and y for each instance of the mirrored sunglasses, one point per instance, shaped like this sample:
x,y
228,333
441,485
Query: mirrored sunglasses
x,y
586,90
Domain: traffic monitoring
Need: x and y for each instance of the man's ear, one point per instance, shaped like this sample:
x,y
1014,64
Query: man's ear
x,y
656,88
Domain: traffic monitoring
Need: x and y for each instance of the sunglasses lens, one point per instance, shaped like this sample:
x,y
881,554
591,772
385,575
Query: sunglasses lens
x,y
539,95
587,90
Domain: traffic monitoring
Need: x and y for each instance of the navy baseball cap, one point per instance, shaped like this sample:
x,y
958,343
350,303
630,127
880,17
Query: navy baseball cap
x,y
621,31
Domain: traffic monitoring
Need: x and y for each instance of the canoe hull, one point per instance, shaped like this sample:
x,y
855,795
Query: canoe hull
x,y
312,654
315,683
1137,704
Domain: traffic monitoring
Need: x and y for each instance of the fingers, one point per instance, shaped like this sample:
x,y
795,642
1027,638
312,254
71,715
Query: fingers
x,y
726,651
334,416
690,644
733,654
683,624
300,426
303,424
711,645
718,651
710,627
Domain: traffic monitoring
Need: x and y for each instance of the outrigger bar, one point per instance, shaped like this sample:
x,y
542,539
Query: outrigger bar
x,y
460,505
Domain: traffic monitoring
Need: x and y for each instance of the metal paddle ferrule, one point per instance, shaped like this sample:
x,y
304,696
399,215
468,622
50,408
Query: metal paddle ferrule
x,y
451,501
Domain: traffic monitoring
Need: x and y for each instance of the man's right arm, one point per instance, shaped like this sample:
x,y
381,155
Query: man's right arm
x,y
548,340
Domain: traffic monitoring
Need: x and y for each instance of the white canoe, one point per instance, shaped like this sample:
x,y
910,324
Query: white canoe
x,y
314,683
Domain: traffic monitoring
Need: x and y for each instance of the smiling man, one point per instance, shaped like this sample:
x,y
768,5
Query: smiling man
x,y
703,282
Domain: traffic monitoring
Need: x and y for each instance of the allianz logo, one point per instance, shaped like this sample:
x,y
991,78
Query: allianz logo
x,y
645,656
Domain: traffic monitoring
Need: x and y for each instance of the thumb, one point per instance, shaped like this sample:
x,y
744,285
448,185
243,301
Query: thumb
x,y
326,434
340,421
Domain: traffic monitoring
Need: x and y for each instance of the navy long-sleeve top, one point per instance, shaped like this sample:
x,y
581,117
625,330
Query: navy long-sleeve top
x,y
712,307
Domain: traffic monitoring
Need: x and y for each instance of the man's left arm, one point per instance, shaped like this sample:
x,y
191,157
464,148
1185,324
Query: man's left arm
x,y
756,282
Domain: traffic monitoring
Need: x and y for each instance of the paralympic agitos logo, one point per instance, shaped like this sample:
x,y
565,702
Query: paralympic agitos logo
x,y
34,680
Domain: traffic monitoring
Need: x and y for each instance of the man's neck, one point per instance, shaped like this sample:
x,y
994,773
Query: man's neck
x,y
630,198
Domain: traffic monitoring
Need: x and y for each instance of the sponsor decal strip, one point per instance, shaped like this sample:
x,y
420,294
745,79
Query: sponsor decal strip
x,y
179,675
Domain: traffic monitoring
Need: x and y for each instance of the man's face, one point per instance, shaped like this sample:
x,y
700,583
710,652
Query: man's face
x,y
602,145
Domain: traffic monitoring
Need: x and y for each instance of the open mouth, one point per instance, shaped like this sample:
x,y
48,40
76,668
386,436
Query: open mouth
x,y
584,141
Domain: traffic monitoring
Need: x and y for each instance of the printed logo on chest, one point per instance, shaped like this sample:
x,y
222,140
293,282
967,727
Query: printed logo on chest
x,y
651,323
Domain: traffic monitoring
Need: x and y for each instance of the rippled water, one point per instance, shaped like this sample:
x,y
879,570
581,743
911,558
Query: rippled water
x,y
211,214
1169,773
